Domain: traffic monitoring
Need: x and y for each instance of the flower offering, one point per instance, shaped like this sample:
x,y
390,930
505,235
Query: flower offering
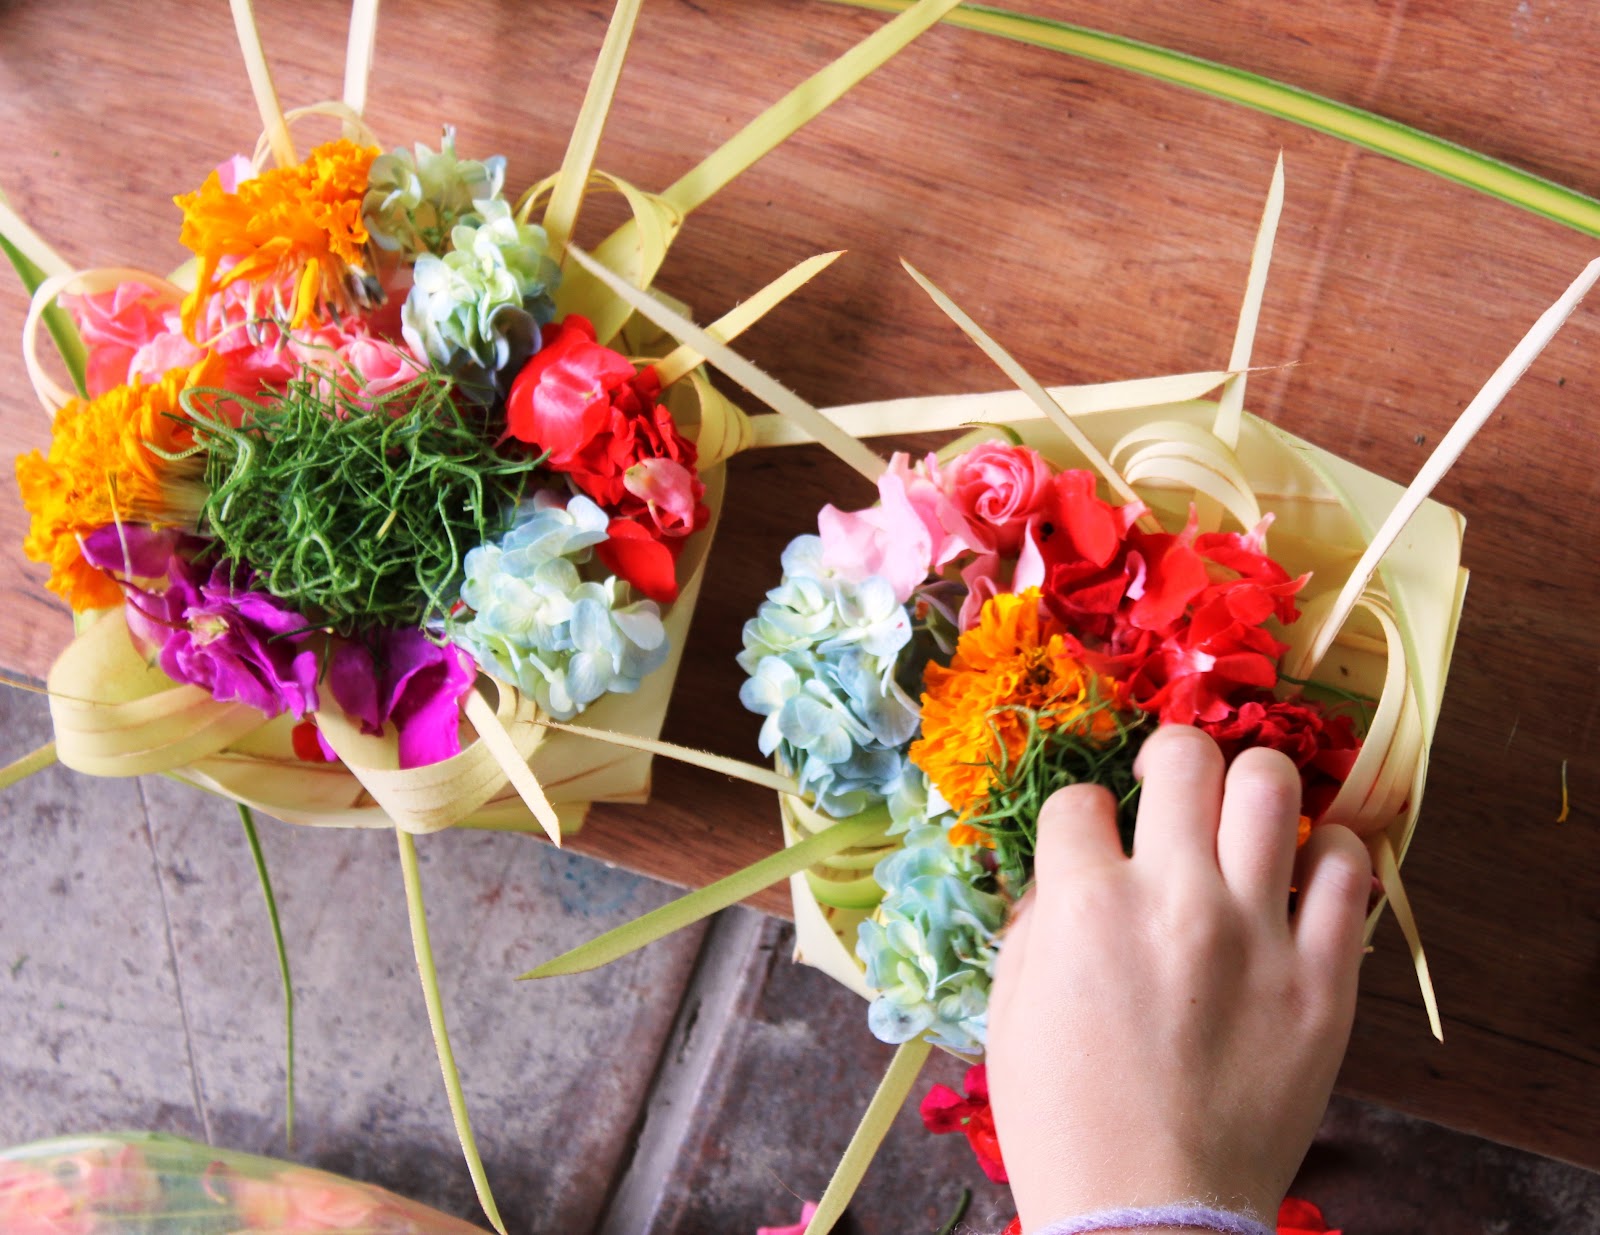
x,y
358,459
1017,612
369,499
991,631
364,505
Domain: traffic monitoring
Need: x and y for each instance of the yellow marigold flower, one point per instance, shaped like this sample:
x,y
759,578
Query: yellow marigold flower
x,y
1014,657
101,470
297,228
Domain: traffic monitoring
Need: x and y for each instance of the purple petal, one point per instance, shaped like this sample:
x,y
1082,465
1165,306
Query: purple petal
x,y
425,685
153,616
131,550
242,646
353,679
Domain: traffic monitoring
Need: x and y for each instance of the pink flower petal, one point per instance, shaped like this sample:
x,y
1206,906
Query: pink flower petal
x,y
799,1228
668,489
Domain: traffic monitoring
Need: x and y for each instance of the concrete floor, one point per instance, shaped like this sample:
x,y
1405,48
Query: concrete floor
x,y
699,1086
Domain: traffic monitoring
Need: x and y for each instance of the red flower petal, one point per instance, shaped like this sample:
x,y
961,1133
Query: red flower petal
x,y
1092,526
1176,574
1297,1217
561,398
306,746
942,1110
633,554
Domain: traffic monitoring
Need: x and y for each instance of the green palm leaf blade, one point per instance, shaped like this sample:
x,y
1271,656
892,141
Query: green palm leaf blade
x,y
689,909
1352,124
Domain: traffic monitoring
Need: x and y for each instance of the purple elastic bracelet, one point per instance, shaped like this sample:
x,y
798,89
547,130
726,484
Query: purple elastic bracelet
x,y
1198,1217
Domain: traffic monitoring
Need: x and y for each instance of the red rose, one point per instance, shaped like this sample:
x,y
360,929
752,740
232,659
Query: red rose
x,y
1171,576
1211,646
637,429
1258,573
1195,673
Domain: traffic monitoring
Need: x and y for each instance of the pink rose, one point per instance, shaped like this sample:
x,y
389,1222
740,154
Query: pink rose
x,y
234,171
114,325
363,365
115,1178
165,351
381,366
999,487
300,1201
384,319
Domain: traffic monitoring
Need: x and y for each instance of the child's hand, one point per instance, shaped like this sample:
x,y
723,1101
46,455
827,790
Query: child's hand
x,y
1161,1028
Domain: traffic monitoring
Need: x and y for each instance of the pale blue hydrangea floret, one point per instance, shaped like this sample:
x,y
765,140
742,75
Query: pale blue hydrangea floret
x,y
930,947
477,309
913,800
414,201
823,655
538,623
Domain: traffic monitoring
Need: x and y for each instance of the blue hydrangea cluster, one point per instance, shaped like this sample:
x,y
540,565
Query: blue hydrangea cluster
x,y
930,947
539,623
415,200
477,309
824,656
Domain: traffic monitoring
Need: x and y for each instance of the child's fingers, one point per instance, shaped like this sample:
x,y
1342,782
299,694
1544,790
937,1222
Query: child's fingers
x,y
1255,840
1077,829
1335,881
1179,801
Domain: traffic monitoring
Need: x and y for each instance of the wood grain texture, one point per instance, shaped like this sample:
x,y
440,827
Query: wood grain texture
x,y
1099,225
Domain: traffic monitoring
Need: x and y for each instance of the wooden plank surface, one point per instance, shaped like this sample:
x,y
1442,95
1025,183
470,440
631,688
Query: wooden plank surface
x,y
1099,224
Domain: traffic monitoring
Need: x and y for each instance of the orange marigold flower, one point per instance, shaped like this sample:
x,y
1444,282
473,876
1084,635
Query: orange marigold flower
x,y
290,228
101,470
967,834
1015,657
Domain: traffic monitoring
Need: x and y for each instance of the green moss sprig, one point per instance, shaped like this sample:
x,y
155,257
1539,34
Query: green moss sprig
x,y
357,512
1052,759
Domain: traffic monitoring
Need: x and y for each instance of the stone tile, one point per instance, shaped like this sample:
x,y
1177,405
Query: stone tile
x,y
98,1008
552,1128
789,1079
90,1017
1376,1172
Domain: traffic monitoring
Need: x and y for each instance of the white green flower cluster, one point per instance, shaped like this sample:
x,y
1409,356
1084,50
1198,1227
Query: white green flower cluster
x,y
477,309
824,657
930,947
414,201
538,623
